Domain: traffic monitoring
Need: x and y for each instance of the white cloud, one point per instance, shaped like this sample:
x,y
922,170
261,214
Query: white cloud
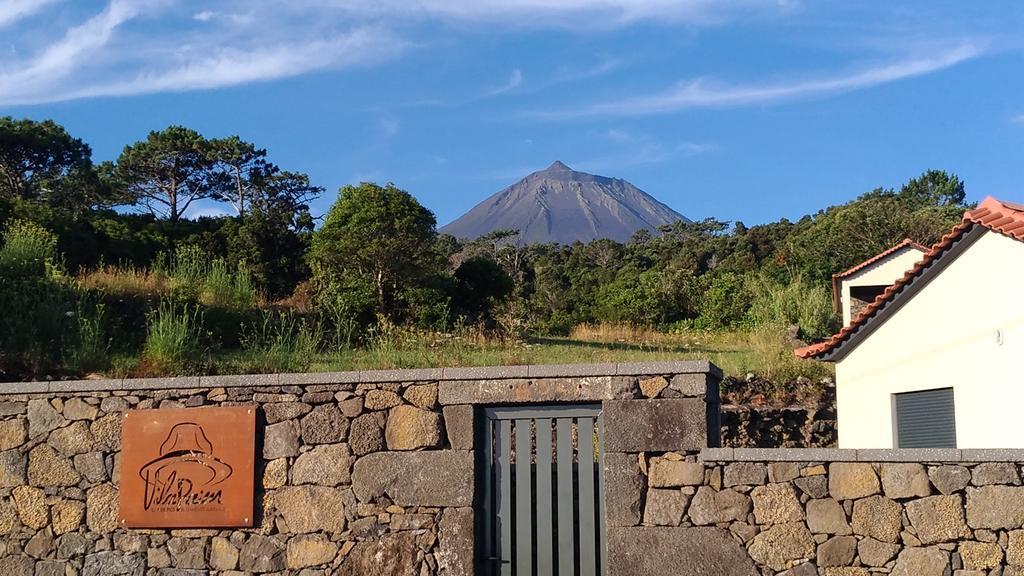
x,y
63,56
514,80
703,93
145,46
1018,119
629,150
237,18
572,13
99,58
231,66
608,65
12,11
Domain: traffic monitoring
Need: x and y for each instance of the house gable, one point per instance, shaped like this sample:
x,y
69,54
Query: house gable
x,y
856,288
963,329
1004,218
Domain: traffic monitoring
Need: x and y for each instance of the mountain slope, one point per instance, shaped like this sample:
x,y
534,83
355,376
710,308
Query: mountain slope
x,y
561,205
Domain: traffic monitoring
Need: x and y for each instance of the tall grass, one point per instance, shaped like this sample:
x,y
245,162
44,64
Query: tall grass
x,y
797,302
282,342
125,280
212,282
605,332
91,349
773,359
172,339
191,275
188,268
763,350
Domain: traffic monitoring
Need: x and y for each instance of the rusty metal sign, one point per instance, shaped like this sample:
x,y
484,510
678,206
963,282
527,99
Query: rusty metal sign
x,y
188,468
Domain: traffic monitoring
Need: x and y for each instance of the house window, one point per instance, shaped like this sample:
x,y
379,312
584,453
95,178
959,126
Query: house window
x,y
925,419
862,296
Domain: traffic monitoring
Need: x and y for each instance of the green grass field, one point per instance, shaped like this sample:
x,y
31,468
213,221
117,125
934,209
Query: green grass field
x,y
736,353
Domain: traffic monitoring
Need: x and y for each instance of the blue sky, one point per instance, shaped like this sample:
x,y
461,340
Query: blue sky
x,y
737,109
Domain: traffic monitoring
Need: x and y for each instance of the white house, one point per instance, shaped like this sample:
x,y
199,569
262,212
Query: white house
x,y
936,360
857,287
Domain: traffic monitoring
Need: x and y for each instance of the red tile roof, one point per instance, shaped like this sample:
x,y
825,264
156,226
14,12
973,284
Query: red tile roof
x,y
906,243
1003,217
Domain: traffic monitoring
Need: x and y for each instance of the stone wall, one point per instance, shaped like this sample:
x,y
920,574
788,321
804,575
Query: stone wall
x,y
760,413
749,426
825,512
359,473
373,473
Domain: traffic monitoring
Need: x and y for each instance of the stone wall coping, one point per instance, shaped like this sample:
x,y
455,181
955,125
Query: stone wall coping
x,y
862,455
367,377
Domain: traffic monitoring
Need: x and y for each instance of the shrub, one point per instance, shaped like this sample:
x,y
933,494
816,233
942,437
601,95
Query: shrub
x,y
32,338
28,250
428,308
480,285
724,303
36,303
346,305
558,323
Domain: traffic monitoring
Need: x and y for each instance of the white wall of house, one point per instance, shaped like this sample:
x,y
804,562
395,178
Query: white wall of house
x,y
882,273
964,330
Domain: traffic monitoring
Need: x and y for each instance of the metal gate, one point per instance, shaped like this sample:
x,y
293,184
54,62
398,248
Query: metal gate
x,y
542,506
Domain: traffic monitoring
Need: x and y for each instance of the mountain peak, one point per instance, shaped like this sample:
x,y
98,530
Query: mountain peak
x,y
564,206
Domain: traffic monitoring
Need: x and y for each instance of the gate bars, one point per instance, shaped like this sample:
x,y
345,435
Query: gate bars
x,y
544,518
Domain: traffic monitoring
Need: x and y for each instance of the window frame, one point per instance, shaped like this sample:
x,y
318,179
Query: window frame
x,y
896,419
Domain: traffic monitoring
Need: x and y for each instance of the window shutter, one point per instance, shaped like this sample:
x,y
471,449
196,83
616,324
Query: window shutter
x,y
925,419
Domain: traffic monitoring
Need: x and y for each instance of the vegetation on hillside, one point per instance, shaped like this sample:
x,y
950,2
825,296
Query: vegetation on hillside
x,y
101,271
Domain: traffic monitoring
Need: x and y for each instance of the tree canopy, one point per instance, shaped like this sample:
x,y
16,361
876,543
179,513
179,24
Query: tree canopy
x,y
41,163
378,237
168,171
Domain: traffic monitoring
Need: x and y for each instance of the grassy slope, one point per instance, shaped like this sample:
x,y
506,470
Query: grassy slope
x,y
737,353
763,352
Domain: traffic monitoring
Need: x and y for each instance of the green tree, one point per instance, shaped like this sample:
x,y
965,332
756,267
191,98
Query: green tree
x,y
243,169
481,285
724,301
376,237
273,236
41,163
842,236
168,171
649,298
934,188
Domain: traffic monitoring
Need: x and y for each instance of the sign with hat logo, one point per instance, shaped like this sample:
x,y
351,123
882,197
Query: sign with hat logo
x,y
188,468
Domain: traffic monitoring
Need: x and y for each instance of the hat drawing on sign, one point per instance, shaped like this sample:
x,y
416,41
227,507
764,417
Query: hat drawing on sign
x,y
186,454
